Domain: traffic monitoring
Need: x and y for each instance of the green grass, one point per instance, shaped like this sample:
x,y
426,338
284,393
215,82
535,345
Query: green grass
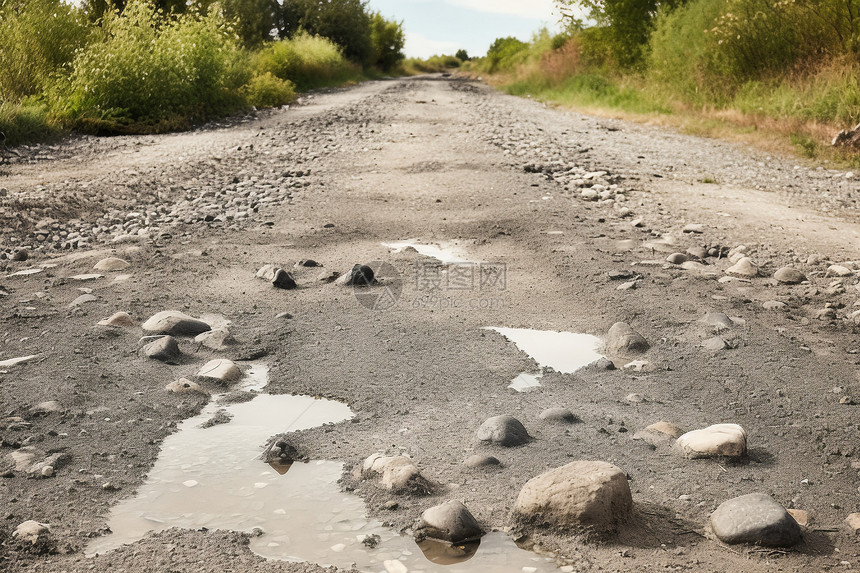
x,y
26,123
307,61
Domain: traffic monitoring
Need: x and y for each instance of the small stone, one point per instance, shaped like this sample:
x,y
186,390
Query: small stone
x,y
635,398
481,461
838,271
21,255
583,494
175,323
503,430
266,272
307,263
395,473
622,339
360,275
111,264
658,434
826,314
744,267
773,305
846,401
715,344
83,299
559,415
44,408
698,252
789,276
604,364
696,228
677,258
756,519
718,320
815,259
86,277
165,349
31,532
853,521
327,276
450,521
800,516
120,319
217,339
184,386
284,280
637,222
729,440
47,471
220,369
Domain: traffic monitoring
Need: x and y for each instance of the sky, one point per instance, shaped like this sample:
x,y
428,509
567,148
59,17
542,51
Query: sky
x,y
445,26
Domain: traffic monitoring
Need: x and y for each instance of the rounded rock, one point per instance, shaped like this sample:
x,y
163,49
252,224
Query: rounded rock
x,y
622,339
789,276
744,267
450,521
165,349
221,370
121,319
480,461
503,430
729,440
174,322
111,264
677,258
755,518
559,415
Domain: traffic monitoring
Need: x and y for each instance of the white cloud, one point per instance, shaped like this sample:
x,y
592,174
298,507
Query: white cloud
x,y
419,46
533,9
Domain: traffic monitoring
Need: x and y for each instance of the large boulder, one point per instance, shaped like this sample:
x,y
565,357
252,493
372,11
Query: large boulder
x,y
450,521
175,323
504,431
580,495
755,518
623,340
719,440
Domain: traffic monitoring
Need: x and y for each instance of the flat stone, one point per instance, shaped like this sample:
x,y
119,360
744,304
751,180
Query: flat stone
x,y
800,516
165,349
677,258
25,273
217,339
757,519
789,276
120,319
83,299
715,344
482,461
450,521
174,322
111,264
696,228
658,434
184,386
729,440
31,532
86,277
583,494
718,320
839,271
622,339
559,415
503,430
744,267
284,280
220,369
394,473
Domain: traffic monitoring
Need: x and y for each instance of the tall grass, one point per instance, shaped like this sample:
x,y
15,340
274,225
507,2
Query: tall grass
x,y
25,123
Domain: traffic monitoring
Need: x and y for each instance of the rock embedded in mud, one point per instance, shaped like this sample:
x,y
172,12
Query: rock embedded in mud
x,y
482,461
184,386
165,349
623,340
658,434
221,370
719,440
111,264
773,305
217,339
450,521
174,322
559,415
119,319
789,276
503,430
394,473
32,532
757,519
715,344
583,494
744,267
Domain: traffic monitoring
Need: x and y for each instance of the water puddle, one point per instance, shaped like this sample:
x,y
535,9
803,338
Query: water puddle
x,y
445,252
213,478
564,352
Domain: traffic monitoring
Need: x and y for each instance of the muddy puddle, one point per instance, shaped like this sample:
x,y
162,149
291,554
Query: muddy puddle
x,y
212,477
446,252
564,352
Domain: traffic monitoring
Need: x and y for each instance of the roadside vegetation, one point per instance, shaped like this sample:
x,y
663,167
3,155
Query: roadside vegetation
x,y
780,74
147,66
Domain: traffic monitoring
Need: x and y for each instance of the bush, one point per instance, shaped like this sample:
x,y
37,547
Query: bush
x,y
39,38
151,70
268,90
307,61
24,123
501,55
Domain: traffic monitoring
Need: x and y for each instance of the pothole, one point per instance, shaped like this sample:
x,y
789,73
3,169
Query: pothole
x,y
214,478
564,352
446,252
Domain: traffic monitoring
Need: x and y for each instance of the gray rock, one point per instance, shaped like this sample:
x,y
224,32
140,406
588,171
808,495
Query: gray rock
x,y
623,340
744,267
658,434
677,258
698,252
31,532
755,518
165,349
482,461
175,323
21,255
83,299
217,339
773,305
715,344
583,494
307,263
49,407
111,264
503,430
789,276
559,415
184,386
718,320
450,521
220,370
360,275
283,279
119,319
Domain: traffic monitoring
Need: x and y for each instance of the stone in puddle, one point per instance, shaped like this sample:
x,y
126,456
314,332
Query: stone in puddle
x,y
729,440
217,339
184,386
755,518
744,267
482,461
622,339
503,430
120,319
583,494
174,322
111,264
559,415
284,280
221,370
395,473
677,258
450,521
165,349
32,532
789,276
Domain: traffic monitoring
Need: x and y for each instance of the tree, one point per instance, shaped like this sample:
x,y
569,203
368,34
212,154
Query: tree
x,y
628,23
96,9
344,22
388,40
462,55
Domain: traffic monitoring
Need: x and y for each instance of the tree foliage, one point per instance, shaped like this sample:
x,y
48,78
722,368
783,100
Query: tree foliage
x,y
345,22
388,40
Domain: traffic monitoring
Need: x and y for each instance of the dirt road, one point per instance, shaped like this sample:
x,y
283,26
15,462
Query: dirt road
x,y
477,210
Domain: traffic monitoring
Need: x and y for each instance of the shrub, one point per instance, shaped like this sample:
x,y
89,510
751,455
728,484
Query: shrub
x,y
268,90
305,60
24,123
502,53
